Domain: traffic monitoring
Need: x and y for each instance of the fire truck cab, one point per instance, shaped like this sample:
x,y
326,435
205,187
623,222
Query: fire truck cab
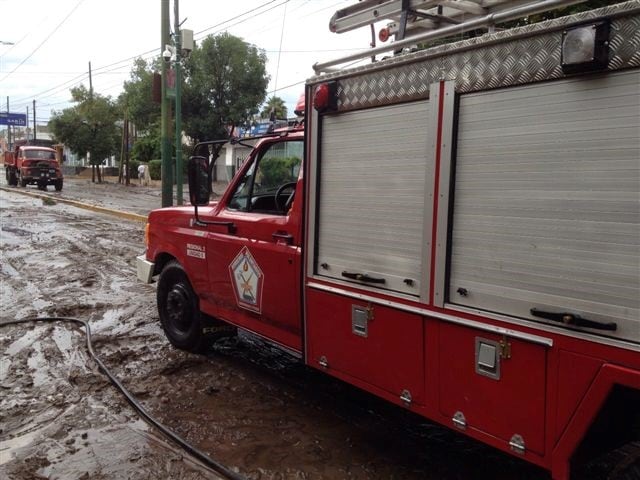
x,y
457,230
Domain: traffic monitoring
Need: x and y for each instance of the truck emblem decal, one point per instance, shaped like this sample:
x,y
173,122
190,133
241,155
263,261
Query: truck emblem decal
x,y
197,251
247,279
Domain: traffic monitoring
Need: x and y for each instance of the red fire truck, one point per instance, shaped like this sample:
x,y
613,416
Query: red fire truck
x,y
456,230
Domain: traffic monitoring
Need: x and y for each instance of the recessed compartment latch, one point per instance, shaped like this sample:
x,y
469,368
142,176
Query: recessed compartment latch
x,y
360,318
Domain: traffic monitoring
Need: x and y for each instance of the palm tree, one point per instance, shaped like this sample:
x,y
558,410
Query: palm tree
x,y
274,108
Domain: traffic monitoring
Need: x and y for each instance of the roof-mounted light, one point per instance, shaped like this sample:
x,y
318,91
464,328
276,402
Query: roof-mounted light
x,y
585,48
299,110
384,34
325,98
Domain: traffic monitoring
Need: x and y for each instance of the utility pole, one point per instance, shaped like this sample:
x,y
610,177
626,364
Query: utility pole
x,y
166,170
90,83
26,129
8,127
126,148
178,45
34,119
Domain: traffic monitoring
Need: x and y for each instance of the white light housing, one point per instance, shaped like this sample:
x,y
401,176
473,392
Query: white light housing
x,y
585,48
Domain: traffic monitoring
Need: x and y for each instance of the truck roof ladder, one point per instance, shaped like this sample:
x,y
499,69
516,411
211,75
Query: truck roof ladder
x,y
414,21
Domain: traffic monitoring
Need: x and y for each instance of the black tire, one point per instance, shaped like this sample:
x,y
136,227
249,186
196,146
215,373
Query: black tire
x,y
622,463
23,183
180,316
625,462
58,185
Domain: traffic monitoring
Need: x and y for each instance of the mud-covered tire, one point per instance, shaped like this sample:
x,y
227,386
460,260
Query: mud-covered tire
x,y
180,316
58,185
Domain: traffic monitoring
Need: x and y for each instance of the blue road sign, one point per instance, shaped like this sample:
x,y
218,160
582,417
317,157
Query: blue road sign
x,y
16,119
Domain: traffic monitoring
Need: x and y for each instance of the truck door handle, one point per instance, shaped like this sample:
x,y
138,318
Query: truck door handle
x,y
573,319
362,277
284,236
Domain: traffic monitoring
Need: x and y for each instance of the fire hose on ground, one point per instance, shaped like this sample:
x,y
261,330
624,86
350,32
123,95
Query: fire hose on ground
x,y
193,451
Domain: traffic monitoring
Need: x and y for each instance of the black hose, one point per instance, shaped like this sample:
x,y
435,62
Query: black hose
x,y
201,456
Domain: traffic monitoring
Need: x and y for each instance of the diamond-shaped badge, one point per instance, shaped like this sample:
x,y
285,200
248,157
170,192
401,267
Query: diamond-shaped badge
x,y
247,279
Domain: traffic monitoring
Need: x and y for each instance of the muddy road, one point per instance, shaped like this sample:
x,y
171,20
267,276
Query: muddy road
x,y
246,404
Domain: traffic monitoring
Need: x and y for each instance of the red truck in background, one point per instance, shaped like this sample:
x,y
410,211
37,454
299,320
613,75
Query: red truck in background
x,y
455,230
34,163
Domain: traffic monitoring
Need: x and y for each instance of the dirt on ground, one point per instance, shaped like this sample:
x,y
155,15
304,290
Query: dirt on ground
x,y
247,404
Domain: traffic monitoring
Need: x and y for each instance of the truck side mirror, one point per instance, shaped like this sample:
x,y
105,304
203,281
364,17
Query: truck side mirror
x,y
199,184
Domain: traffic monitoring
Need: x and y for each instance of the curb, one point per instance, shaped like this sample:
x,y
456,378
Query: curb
x,y
87,206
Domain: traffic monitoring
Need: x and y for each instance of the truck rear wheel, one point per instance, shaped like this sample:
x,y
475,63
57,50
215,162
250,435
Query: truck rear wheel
x,y
622,463
180,316
626,462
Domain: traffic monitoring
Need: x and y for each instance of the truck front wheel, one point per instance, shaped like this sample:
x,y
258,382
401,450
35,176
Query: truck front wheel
x,y
180,316
58,185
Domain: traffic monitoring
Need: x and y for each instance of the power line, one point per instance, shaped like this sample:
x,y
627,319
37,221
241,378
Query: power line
x,y
242,15
269,27
106,69
284,16
44,41
153,52
54,90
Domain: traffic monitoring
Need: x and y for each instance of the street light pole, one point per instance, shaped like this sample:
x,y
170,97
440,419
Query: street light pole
x,y
166,170
2,42
178,45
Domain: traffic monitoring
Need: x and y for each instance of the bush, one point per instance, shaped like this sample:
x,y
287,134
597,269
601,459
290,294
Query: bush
x,y
146,147
276,171
155,167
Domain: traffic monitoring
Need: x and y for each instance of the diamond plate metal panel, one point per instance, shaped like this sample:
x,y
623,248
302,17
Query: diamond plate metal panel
x,y
513,57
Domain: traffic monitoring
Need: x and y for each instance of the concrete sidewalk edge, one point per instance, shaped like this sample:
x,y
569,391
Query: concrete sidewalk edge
x,y
87,206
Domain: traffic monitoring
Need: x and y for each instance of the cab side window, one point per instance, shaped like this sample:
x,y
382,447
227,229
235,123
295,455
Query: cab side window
x,y
268,185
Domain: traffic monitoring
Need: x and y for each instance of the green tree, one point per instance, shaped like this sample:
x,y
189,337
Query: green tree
x,y
88,127
136,97
276,105
147,146
225,83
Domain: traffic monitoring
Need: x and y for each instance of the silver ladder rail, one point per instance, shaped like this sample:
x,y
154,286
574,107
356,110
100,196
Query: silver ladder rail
x,y
366,12
371,11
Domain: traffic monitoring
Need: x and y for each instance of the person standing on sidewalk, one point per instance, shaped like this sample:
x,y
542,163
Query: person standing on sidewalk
x,y
141,169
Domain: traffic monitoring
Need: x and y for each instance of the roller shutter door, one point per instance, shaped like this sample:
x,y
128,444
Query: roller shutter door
x,y
547,204
372,173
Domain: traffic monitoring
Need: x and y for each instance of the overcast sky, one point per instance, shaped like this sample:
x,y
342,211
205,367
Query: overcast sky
x,y
55,40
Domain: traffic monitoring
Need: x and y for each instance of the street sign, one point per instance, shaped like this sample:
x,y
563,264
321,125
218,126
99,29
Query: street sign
x,y
16,119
